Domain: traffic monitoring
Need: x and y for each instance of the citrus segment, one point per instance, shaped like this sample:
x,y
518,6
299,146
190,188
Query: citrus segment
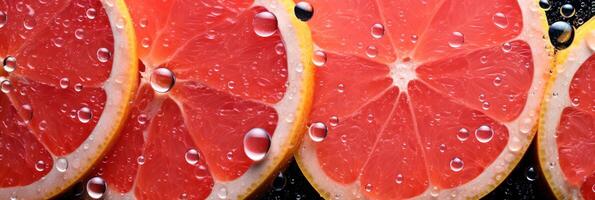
x,y
222,99
66,78
443,106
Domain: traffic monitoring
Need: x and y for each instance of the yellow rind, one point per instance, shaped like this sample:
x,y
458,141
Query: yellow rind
x,y
560,59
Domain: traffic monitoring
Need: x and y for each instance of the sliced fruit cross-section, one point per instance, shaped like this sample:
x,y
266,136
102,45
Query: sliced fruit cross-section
x,y
422,98
222,102
69,69
566,140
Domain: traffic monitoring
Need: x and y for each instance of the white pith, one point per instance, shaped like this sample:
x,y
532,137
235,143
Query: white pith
x,y
521,130
286,108
82,159
578,53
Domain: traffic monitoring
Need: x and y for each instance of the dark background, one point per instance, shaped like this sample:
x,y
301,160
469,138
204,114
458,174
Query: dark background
x,y
524,182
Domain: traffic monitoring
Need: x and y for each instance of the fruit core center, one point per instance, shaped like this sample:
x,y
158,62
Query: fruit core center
x,y
402,72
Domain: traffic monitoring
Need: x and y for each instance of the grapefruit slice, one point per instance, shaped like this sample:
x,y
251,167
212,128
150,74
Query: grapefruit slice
x,y
68,73
419,99
566,139
224,94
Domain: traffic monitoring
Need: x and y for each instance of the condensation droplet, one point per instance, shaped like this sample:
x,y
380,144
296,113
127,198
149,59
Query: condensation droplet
x,y
500,20
334,120
319,58
506,47
192,156
61,164
545,4
9,64
5,86
257,142
3,18
463,134
399,179
265,24
456,164
96,187
40,165
84,114
484,133
567,10
303,11
103,54
456,39
372,51
140,160
91,13
162,80
377,31
317,131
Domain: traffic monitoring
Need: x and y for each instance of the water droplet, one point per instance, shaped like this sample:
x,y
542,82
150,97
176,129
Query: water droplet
x,y
40,165
222,192
201,172
485,105
229,155
162,80
484,133
531,174
500,20
334,120
340,88
84,114
3,18
61,164
265,24
319,58
497,81
142,118
58,42
368,187
483,59
91,13
96,187
43,125
103,54
29,23
575,102
303,11
442,148
456,164
561,34
28,112
456,39
5,86
192,156
78,87
463,134
10,64
64,83
79,33
145,42
140,160
506,47
545,4
567,10
257,142
280,49
377,31
372,51
399,179
317,131
279,182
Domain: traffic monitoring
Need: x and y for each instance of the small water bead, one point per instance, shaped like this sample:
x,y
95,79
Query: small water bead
x,y
29,23
317,131
442,148
265,24
561,33
61,164
78,87
5,86
340,88
140,160
414,39
456,164
484,133
497,81
40,165
500,20
103,54
456,39
506,47
142,119
64,83
222,192
58,42
372,51
368,187
483,59
192,156
545,4
334,120
201,172
229,155
84,114
319,58
280,49
575,102
257,142
399,179
567,10
3,18
531,174
9,64
91,13
377,31
145,42
162,80
463,134
279,182
28,112
303,11
96,187
43,125
79,33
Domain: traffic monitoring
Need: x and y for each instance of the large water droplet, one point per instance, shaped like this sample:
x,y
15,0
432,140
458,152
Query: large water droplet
x,y
3,18
317,131
192,156
303,11
567,10
377,31
456,164
96,187
61,164
162,80
463,134
279,182
319,58
484,133
265,24
500,20
545,4
9,64
103,54
456,39
40,165
84,114
561,34
257,142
